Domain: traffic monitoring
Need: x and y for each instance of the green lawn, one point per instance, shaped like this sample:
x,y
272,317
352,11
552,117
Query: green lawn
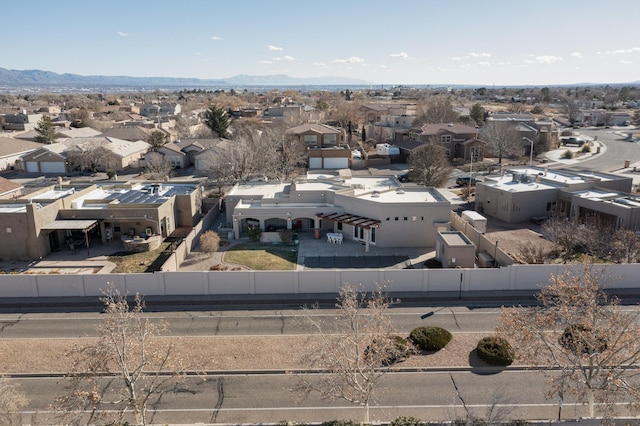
x,y
263,256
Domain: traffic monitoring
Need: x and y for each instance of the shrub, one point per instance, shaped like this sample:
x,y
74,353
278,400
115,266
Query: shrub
x,y
586,148
253,232
286,235
495,350
406,421
340,423
430,338
111,174
568,154
209,241
397,350
580,339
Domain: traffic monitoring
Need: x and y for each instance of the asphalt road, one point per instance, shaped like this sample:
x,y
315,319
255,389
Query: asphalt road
x,y
618,150
263,397
269,398
232,323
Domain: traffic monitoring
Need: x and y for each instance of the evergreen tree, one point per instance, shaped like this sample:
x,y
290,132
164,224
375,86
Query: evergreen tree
x,y
218,121
46,131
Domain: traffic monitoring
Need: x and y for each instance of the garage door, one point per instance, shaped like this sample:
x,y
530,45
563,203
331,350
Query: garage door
x,y
32,167
51,167
315,163
336,163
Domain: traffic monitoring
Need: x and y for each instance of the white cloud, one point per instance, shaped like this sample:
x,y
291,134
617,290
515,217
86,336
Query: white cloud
x,y
456,58
265,62
479,55
623,51
547,59
484,64
123,34
216,38
319,64
284,58
625,62
276,48
402,55
351,60
576,55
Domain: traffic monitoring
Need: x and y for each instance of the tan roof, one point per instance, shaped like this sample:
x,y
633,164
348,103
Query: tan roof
x,y
318,128
9,146
8,186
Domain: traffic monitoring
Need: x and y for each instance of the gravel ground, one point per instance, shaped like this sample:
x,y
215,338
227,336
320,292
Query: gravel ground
x,y
220,353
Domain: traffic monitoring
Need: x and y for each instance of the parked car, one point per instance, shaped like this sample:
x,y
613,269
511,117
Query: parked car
x,y
465,180
573,141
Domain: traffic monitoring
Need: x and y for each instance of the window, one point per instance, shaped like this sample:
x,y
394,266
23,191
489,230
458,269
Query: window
x,y
445,138
358,233
329,140
373,235
339,226
310,140
475,153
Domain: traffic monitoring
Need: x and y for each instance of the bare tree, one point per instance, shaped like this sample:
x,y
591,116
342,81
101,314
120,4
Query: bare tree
x,y
626,246
157,167
139,368
89,156
12,400
430,165
502,139
434,110
351,349
290,153
583,339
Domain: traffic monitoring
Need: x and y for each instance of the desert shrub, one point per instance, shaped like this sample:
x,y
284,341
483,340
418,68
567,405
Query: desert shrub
x,y
495,350
430,338
580,339
388,354
406,421
286,235
340,423
568,154
586,148
532,254
209,241
111,174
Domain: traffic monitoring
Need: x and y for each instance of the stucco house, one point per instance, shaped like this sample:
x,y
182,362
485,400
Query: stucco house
x,y
12,149
325,147
374,210
173,154
459,140
46,220
522,193
54,158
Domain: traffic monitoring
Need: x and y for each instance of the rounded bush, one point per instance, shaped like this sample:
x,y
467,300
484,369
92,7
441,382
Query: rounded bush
x,y
430,338
495,351
580,339
396,350
406,421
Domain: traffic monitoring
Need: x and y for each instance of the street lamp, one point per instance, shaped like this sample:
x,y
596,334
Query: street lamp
x,y
531,151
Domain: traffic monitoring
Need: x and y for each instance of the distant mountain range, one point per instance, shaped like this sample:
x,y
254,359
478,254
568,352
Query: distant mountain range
x,y
48,78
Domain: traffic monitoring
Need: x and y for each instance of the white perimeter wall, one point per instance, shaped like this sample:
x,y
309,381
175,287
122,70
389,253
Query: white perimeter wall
x,y
509,278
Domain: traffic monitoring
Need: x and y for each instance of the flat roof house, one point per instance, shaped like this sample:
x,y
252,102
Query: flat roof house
x,y
375,210
525,192
40,222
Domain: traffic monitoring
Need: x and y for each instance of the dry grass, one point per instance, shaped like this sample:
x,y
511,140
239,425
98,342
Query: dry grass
x,y
218,353
134,263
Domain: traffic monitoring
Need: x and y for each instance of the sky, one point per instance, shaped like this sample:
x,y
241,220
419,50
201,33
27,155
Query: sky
x,y
393,42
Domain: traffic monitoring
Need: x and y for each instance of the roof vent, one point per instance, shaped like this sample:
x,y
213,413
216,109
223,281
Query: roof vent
x,y
400,191
375,194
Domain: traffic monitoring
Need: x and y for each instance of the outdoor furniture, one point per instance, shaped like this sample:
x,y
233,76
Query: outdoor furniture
x,y
334,237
